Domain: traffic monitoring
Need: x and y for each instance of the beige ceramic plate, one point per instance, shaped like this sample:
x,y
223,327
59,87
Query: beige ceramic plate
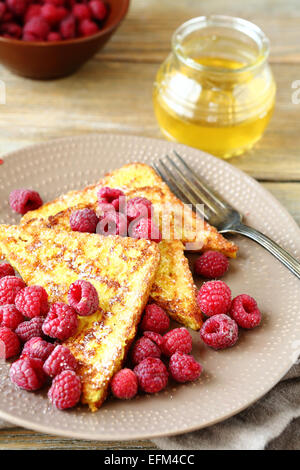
x,y
232,379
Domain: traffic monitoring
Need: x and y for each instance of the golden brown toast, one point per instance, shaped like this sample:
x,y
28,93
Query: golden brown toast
x,y
173,288
139,179
121,269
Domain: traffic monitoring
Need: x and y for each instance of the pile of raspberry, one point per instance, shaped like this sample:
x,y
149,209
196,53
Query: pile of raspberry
x,y
51,20
155,356
117,216
31,328
225,315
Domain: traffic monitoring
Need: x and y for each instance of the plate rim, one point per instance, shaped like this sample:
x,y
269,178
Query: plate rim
x,y
236,171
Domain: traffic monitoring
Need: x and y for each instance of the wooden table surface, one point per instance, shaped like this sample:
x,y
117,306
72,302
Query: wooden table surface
x,y
112,93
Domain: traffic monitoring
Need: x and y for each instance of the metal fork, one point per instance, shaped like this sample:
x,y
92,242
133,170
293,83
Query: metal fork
x,y
188,186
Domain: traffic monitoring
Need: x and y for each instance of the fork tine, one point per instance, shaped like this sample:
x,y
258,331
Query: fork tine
x,y
168,177
167,180
177,184
204,187
202,195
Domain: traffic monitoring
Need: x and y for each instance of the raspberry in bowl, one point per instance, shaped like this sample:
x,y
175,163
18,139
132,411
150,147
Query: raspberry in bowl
x,y
46,42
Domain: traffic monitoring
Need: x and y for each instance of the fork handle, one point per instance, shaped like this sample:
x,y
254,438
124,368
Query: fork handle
x,y
280,253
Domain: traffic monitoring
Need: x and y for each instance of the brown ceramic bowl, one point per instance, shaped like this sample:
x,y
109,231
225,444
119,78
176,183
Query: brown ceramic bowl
x,y
46,60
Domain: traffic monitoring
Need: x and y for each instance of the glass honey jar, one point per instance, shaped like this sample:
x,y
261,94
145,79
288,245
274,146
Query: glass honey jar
x,y
216,91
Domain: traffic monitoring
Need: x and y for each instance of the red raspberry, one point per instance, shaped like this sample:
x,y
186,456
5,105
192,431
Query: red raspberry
x,y
84,220
211,264
32,301
37,347
81,11
138,207
83,297
11,29
177,340
28,373
62,13
155,319
61,321
143,348
53,36
98,9
120,204
30,329
27,37
66,390
10,316
9,287
124,384
145,228
32,10
110,200
67,27
107,194
51,14
24,200
112,223
245,312
184,368
11,342
17,7
37,29
155,337
6,270
87,28
103,208
59,360
219,332
214,298
152,375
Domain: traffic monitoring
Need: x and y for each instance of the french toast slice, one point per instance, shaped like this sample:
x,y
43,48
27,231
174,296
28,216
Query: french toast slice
x,y
173,287
121,269
139,179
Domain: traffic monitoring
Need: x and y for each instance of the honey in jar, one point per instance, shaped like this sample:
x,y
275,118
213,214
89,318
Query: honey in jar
x,y
216,91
